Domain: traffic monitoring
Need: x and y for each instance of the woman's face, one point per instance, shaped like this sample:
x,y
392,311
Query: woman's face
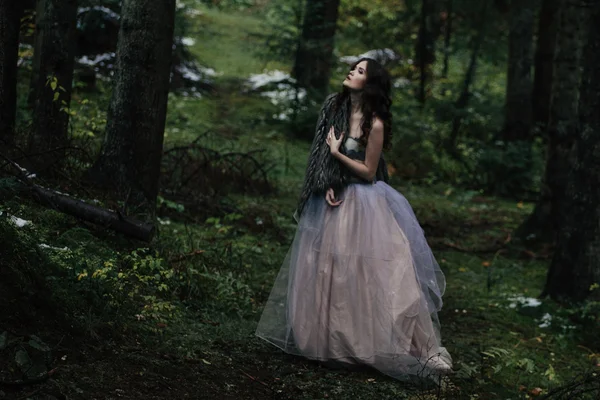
x,y
357,78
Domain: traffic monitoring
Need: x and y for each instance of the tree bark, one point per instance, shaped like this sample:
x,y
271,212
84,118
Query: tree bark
x,y
575,267
55,41
131,154
562,121
429,30
518,117
94,214
544,59
37,51
106,218
312,66
10,20
516,144
448,37
463,100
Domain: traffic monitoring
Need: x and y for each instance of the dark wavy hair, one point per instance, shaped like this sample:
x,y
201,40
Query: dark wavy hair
x,y
375,100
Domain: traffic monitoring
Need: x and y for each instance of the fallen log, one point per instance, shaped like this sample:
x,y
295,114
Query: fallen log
x,y
97,215
94,214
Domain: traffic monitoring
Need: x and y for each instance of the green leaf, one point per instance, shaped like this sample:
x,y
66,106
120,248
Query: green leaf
x,y
38,344
53,84
550,373
23,360
56,96
527,364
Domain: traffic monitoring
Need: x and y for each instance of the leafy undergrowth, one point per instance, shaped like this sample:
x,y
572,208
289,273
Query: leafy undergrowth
x,y
194,338
502,347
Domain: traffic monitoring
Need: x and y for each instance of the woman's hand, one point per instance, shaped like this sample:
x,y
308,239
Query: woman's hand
x,y
333,143
330,198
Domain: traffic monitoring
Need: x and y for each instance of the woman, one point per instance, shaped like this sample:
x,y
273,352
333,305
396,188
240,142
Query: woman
x,y
359,284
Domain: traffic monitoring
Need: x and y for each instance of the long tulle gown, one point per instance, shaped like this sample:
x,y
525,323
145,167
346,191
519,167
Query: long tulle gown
x,y
360,285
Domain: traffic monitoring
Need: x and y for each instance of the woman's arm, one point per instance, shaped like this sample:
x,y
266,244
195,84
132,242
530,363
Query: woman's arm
x,y
368,168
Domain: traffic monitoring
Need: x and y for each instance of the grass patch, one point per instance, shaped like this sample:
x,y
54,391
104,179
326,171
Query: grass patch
x,y
228,41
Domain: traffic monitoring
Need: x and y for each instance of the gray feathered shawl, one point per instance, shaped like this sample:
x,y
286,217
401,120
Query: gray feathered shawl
x,y
323,170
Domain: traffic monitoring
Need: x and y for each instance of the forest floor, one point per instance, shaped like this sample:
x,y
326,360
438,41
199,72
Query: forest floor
x,y
502,345
505,343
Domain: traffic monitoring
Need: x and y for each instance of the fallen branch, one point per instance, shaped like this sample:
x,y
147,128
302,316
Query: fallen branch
x,y
191,167
31,394
499,246
31,381
465,250
255,379
94,214
97,215
586,383
183,257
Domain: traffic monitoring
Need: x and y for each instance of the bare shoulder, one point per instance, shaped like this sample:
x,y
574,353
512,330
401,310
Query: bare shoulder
x,y
376,134
377,126
377,122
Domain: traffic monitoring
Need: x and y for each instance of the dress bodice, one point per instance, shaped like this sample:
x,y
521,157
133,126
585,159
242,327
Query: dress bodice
x,y
355,150
353,144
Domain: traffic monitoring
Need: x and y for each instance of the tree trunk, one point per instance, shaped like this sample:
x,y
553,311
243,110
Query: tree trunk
x,y
515,175
37,51
423,51
131,154
314,55
544,58
517,124
562,121
55,41
10,21
448,37
429,31
575,267
463,100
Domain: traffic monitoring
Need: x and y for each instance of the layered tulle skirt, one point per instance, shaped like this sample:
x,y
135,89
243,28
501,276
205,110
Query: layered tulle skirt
x,y
360,285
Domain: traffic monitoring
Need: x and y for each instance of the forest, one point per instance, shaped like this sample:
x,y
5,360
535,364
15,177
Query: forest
x,y
152,154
